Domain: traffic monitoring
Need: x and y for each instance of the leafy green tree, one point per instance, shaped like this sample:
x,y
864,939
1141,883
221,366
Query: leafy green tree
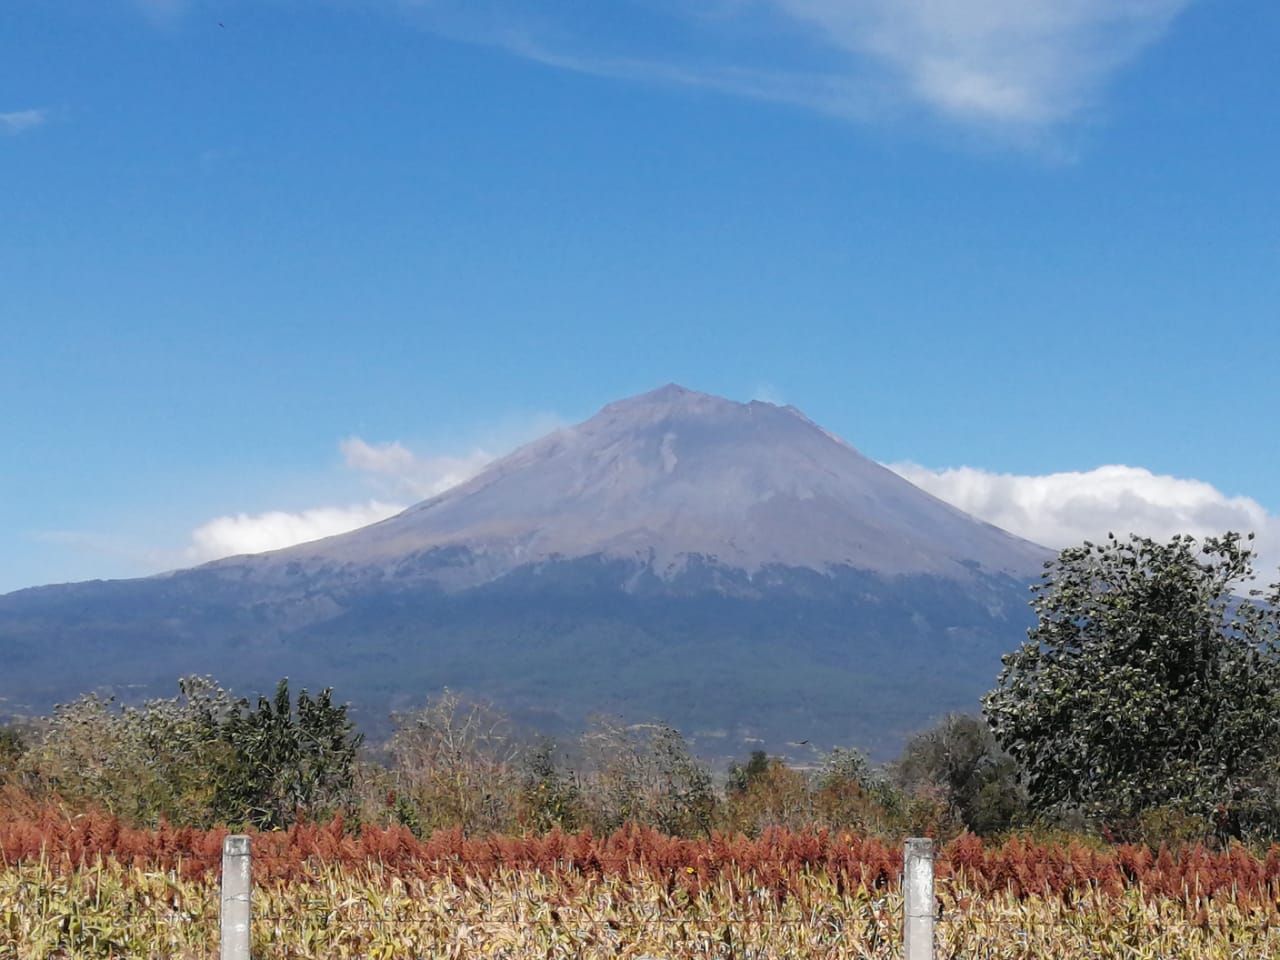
x,y
961,761
286,760
1147,682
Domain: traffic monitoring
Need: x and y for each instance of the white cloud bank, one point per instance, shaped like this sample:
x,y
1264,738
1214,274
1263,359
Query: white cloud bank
x,y
1016,66
1061,509
1056,510
20,121
255,533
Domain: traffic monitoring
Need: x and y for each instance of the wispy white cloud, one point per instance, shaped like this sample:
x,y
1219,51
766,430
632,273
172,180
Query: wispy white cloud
x,y
1015,66
844,96
1060,509
162,12
254,533
20,121
409,473
1007,62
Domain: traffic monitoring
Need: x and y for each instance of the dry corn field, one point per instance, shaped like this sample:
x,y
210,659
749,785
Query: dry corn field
x,y
85,887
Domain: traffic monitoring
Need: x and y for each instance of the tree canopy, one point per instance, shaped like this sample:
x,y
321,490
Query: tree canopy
x,y
287,760
977,780
200,758
1148,681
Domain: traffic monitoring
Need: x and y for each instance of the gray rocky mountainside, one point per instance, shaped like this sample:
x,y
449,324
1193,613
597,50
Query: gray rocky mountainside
x,y
731,568
674,474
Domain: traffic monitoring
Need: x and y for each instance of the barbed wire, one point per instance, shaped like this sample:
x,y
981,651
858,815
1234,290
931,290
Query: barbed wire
x,y
858,927
861,929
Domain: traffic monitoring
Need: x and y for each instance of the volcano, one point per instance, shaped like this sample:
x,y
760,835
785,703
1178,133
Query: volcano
x,y
731,568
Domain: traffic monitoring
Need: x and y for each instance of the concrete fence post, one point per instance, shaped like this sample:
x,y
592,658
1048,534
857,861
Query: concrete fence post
x,y
917,899
234,934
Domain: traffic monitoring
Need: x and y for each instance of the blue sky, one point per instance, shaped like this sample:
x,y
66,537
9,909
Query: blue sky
x,y
272,268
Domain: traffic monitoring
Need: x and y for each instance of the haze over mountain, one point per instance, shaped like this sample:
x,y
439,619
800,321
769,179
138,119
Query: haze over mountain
x,y
732,568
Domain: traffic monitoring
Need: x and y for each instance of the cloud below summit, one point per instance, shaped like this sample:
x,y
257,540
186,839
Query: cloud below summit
x,y
1056,510
256,533
1061,509
400,475
397,476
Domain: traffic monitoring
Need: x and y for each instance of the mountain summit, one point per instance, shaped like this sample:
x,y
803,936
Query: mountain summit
x,y
731,568
671,475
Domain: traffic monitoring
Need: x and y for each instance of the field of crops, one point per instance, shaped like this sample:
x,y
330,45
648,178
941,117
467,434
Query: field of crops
x,y
86,887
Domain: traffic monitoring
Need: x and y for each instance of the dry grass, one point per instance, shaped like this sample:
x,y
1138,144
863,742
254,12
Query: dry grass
x,y
86,887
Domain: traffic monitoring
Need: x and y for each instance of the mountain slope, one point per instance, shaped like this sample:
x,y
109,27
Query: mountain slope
x,y
672,474
732,568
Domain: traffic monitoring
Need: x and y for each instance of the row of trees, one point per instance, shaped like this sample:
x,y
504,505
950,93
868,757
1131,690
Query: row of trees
x,y
1145,704
200,758
204,758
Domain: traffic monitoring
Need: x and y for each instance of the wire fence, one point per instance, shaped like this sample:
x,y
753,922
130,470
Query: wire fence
x,y
564,910
915,919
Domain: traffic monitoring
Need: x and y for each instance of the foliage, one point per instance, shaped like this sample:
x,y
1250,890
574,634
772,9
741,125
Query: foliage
x,y
550,795
766,793
13,744
844,793
741,776
1145,683
850,795
960,762
645,773
199,758
454,764
164,759
285,760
